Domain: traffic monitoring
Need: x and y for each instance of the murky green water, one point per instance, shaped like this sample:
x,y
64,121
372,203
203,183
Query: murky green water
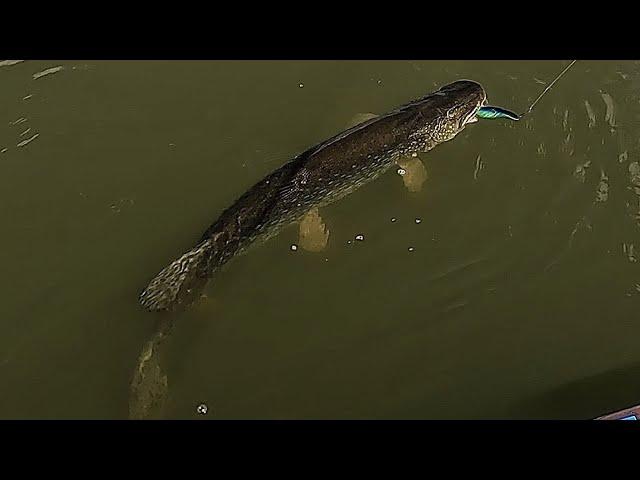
x,y
518,300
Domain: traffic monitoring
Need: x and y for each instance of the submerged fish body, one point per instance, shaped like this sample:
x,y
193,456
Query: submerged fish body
x,y
496,112
319,176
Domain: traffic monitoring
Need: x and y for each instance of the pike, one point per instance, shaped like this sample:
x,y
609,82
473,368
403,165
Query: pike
x,y
315,178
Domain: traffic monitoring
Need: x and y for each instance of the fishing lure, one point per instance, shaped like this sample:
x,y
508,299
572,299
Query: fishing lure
x,y
496,112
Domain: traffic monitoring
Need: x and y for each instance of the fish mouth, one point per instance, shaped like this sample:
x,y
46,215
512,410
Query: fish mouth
x,y
471,117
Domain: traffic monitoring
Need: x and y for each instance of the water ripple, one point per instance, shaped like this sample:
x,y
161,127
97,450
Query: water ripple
x,y
48,71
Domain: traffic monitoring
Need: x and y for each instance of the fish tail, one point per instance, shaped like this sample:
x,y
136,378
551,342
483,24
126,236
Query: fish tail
x,y
181,280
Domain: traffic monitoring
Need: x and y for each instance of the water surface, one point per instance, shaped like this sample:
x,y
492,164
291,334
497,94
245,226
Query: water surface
x,y
513,296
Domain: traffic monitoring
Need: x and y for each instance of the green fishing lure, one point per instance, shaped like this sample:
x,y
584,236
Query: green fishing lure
x,y
496,112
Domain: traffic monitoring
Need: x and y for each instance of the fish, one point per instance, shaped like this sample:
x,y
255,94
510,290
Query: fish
x,y
491,112
319,176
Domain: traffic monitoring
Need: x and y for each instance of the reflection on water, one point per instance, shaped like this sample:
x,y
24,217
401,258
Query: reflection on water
x,y
520,289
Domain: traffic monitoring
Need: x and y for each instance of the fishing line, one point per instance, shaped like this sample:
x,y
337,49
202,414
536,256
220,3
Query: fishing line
x,y
548,88
490,112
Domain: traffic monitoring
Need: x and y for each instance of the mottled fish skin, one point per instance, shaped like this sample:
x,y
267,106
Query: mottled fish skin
x,y
496,112
319,176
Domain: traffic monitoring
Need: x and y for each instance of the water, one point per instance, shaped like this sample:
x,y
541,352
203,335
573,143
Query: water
x,y
514,296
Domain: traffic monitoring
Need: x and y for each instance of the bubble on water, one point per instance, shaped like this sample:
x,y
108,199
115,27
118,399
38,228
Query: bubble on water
x,y
623,156
581,171
360,237
294,247
301,85
418,220
411,249
202,409
393,219
401,171
602,193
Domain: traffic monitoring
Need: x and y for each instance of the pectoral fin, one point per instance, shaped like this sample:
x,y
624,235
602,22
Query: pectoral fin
x,y
414,173
149,385
359,118
313,234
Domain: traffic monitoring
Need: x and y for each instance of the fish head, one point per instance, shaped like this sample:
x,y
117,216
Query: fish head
x,y
447,111
461,100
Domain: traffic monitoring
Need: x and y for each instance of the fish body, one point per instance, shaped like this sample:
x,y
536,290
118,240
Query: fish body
x,y
317,177
491,112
